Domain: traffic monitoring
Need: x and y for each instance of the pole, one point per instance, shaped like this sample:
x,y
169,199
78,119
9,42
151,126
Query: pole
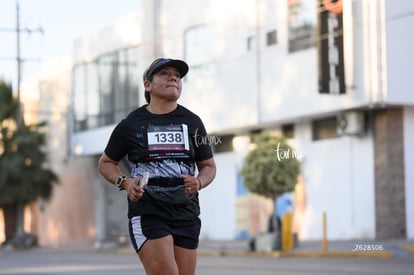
x,y
324,240
258,61
19,61
287,235
18,58
20,121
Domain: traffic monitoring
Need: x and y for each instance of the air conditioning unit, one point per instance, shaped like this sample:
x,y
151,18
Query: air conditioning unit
x,y
351,123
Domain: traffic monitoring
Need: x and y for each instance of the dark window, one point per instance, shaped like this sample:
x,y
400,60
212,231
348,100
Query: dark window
x,y
288,130
222,144
271,38
324,128
256,131
250,41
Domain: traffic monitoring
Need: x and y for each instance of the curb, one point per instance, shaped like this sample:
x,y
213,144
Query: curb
x,y
310,254
408,248
338,254
298,254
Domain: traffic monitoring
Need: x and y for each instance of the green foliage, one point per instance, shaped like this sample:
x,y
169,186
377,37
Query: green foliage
x,y
8,106
268,172
23,177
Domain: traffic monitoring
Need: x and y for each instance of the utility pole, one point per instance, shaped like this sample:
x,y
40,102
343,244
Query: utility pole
x,y
258,61
19,65
19,59
20,118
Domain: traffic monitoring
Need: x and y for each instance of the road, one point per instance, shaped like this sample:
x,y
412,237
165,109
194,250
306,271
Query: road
x,y
87,262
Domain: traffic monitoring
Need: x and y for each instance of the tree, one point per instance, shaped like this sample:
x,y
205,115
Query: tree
x,y
23,175
272,167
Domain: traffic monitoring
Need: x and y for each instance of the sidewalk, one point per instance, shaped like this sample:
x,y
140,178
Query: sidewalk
x,y
349,248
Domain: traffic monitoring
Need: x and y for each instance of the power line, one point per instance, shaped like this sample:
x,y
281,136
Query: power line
x,y
400,16
18,57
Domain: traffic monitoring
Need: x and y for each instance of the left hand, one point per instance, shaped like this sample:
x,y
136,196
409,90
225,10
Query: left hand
x,y
191,183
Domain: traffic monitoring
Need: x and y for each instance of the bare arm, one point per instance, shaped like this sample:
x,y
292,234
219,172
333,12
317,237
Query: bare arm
x,y
109,169
206,174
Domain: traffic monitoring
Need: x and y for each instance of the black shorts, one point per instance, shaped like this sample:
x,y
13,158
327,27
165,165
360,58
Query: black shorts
x,y
185,233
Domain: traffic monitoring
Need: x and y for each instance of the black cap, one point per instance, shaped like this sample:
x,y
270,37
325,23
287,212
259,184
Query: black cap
x,y
159,63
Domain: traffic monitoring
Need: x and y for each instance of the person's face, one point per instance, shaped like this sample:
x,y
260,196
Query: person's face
x,y
166,84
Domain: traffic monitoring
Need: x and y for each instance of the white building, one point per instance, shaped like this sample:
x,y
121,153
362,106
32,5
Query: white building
x,y
335,83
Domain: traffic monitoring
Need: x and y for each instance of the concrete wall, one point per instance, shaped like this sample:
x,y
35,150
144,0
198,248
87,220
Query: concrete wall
x,y
400,42
67,220
218,201
269,84
338,175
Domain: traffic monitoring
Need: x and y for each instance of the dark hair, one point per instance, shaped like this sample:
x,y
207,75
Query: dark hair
x,y
147,94
147,97
144,77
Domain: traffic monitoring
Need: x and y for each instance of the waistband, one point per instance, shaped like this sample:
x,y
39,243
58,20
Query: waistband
x,y
166,182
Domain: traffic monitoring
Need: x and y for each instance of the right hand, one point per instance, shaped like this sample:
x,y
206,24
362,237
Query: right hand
x,y
133,190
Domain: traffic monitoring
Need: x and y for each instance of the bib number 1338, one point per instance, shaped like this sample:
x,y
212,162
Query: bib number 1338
x,y
171,137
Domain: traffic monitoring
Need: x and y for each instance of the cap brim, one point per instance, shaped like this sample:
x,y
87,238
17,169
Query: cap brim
x,y
180,65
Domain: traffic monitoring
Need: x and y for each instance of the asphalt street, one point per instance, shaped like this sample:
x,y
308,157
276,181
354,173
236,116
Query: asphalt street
x,y
89,262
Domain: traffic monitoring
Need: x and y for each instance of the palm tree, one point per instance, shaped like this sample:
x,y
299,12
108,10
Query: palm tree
x,y
23,175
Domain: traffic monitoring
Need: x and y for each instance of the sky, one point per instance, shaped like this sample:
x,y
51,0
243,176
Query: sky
x,y
62,21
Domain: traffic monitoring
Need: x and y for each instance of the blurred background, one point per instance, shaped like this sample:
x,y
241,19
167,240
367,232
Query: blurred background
x,y
332,77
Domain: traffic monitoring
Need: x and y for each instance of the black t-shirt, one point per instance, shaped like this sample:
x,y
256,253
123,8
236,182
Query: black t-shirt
x,y
167,146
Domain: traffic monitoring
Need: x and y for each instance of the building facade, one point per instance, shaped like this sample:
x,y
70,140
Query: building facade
x,y
331,76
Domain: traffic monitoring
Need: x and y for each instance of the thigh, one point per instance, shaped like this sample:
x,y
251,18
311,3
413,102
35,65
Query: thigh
x,y
186,233
157,256
186,260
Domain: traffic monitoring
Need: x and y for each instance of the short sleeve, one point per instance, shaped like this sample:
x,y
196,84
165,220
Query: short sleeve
x,y
117,146
202,145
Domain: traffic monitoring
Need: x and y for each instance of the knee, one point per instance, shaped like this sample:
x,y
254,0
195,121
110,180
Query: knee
x,y
160,267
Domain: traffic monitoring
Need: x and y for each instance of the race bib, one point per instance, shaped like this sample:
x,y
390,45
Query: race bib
x,y
168,138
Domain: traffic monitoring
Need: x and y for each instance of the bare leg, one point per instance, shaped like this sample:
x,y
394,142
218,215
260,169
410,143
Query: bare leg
x,y
186,260
157,256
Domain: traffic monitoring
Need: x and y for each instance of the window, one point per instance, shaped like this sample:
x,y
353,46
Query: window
x,y
105,89
271,38
256,131
250,41
225,144
79,98
106,79
324,128
288,130
199,51
92,96
302,19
